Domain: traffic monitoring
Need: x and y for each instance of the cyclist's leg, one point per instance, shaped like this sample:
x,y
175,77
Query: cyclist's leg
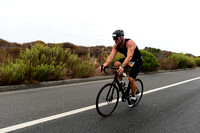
x,y
133,85
117,64
133,74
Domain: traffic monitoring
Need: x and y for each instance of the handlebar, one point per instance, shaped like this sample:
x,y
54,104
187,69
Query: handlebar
x,y
114,68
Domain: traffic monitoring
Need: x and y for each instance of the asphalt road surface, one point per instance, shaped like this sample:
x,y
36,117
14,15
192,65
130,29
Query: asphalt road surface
x,y
171,104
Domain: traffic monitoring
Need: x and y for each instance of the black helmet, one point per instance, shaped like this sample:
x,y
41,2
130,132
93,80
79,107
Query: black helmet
x,y
118,33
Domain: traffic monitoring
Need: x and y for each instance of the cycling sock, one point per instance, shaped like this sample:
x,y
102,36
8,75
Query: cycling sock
x,y
134,97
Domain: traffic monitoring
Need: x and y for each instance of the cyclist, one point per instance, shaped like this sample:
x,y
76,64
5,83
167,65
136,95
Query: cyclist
x,y
132,55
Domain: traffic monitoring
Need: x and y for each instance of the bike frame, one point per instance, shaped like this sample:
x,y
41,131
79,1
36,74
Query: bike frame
x,y
124,93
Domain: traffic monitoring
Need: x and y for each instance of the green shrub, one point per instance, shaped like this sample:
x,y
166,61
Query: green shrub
x,y
85,69
190,62
13,73
183,61
156,52
42,63
197,61
46,62
150,62
72,64
42,72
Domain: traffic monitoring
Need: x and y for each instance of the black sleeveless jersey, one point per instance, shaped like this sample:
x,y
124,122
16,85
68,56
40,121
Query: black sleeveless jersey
x,y
136,55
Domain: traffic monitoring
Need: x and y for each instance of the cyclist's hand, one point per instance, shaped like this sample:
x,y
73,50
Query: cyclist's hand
x,y
120,70
101,67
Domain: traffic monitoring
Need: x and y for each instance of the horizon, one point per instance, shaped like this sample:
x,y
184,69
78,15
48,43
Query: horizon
x,y
92,46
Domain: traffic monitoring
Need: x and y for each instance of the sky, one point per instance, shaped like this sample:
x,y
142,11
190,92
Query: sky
x,y
172,25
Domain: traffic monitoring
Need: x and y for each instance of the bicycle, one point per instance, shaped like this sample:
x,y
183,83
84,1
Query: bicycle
x,y
108,96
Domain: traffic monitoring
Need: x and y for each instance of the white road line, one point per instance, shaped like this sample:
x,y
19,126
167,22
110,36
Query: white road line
x,y
42,120
168,86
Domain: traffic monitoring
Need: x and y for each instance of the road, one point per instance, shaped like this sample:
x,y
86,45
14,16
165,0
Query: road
x,y
171,104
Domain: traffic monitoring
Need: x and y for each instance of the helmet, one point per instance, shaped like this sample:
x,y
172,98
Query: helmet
x,y
118,33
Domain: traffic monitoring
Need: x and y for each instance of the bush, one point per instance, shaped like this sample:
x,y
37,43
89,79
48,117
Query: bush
x,y
150,62
183,61
46,62
197,61
42,63
156,52
190,62
43,72
13,73
85,69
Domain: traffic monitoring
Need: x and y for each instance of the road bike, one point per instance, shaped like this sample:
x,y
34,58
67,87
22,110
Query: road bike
x,y
108,96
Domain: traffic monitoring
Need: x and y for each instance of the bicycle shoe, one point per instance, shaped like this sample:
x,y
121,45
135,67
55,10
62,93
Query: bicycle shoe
x,y
132,100
137,91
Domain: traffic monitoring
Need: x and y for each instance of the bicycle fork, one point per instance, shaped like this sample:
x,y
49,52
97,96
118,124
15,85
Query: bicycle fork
x,y
110,93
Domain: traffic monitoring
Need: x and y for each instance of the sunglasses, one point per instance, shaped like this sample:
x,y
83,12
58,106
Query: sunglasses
x,y
115,38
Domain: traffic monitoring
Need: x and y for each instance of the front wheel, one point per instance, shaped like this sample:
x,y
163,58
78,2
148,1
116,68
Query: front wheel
x,y
107,99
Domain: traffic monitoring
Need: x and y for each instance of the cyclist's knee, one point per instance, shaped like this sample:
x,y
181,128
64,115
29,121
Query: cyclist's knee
x,y
131,79
117,64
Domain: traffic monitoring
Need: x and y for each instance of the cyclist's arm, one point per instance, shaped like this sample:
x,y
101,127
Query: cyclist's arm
x,y
111,56
130,51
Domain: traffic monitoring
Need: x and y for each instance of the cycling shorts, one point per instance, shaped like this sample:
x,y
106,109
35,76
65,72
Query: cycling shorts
x,y
135,69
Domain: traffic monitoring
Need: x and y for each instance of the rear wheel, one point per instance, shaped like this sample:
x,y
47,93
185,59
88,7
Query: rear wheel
x,y
139,91
107,100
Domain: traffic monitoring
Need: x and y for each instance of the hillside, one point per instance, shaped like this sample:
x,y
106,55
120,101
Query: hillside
x,y
13,49
95,51
80,50
5,44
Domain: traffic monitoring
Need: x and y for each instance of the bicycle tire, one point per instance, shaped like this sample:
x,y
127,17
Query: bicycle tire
x,y
107,100
139,91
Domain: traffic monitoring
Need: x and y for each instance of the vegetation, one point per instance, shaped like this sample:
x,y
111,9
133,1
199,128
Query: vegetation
x,y
43,63
183,61
197,61
36,61
150,62
156,52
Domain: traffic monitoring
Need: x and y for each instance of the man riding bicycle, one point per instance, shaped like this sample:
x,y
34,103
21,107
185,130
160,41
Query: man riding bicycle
x,y
132,55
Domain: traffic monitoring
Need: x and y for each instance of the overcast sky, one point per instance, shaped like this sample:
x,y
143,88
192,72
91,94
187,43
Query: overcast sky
x,y
172,25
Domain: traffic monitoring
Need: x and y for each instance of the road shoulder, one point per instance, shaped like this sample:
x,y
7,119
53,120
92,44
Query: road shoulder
x,y
74,81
